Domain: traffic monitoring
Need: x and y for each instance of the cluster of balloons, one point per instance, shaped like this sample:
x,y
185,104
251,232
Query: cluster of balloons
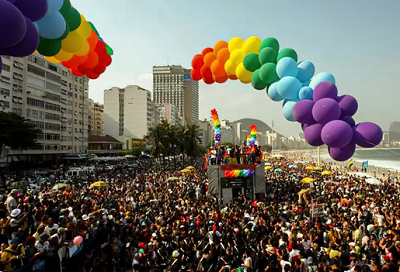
x,y
239,173
252,136
309,99
217,128
55,30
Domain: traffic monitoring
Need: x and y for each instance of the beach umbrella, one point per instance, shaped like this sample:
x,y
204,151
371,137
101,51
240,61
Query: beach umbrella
x,y
278,170
373,181
306,180
100,184
292,166
59,186
268,167
326,173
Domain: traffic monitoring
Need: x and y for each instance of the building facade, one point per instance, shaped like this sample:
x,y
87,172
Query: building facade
x,y
170,113
52,98
207,135
174,85
127,111
95,118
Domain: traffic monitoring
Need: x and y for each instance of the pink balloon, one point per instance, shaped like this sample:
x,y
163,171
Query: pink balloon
x,y
78,240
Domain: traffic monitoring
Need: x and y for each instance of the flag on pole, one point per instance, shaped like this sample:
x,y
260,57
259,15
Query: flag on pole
x,y
205,162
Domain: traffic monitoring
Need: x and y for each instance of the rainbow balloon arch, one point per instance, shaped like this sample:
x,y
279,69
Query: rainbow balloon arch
x,y
56,30
217,128
312,100
252,136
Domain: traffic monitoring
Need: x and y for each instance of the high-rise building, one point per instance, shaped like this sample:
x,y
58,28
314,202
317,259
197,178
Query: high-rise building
x,y
170,113
127,111
96,111
174,85
207,135
52,98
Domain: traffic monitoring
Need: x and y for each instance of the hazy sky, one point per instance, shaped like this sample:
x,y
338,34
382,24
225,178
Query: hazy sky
x,y
358,41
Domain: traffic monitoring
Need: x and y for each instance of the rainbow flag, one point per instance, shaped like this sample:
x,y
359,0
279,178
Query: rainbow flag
x,y
205,162
225,158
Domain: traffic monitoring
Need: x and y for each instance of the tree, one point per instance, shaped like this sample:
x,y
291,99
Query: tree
x,y
156,139
193,138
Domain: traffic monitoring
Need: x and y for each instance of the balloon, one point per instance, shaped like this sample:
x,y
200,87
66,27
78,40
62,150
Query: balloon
x,y
217,68
230,68
326,110
287,110
342,154
235,43
325,89
267,54
73,18
109,50
54,5
287,53
85,48
349,120
321,77
12,25
75,61
286,67
49,47
222,79
208,80
52,26
272,92
63,56
1,64
195,74
219,45
33,13
270,42
306,70
348,104
251,62
337,134
306,83
237,57
288,87
92,75
197,62
75,72
268,73
209,59
223,55
93,40
66,7
84,29
206,72
302,112
78,240
312,134
27,45
367,134
206,50
72,43
232,77
91,62
52,60
256,81
251,45
306,93
243,75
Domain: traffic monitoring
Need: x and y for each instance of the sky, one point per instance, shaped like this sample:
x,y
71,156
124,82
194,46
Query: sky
x,y
358,41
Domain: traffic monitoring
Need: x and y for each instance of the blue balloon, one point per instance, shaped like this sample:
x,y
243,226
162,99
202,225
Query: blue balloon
x,y
287,110
288,87
54,6
321,77
286,67
306,70
306,93
306,84
52,26
272,92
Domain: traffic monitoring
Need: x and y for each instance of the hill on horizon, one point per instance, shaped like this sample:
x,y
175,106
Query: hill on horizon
x,y
261,126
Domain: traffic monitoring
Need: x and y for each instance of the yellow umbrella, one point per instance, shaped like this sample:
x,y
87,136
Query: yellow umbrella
x,y
268,167
306,180
310,168
326,173
318,168
100,184
191,168
185,171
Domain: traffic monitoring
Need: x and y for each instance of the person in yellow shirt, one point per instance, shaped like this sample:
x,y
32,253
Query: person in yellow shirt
x,y
13,256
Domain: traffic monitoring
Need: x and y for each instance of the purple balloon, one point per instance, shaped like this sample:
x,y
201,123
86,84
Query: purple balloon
x,y
325,89
11,1
302,112
348,104
326,110
343,153
1,64
367,134
34,10
337,134
312,134
27,45
12,24
349,120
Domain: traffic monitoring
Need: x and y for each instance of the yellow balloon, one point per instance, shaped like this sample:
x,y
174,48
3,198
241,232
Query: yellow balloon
x,y
235,43
84,29
230,68
251,45
63,56
242,74
52,60
84,49
72,43
237,57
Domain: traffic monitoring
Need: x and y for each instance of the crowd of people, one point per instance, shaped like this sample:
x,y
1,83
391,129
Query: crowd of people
x,y
154,218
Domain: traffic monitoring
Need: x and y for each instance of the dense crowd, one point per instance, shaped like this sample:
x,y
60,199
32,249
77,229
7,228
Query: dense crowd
x,y
148,221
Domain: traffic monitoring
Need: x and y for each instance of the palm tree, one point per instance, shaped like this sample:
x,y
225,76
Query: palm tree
x,y
156,139
192,139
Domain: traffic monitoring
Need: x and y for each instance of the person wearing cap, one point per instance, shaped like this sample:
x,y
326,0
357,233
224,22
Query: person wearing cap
x,y
11,203
13,256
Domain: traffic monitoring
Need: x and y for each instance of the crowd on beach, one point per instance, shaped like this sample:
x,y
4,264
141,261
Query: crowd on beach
x,y
155,218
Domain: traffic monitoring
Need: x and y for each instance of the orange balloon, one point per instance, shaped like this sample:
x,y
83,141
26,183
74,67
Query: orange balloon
x,y
221,79
218,69
92,40
91,62
206,50
219,45
223,55
233,77
209,59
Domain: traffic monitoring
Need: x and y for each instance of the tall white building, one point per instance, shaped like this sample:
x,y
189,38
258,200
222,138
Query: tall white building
x,y
174,85
127,111
170,113
52,99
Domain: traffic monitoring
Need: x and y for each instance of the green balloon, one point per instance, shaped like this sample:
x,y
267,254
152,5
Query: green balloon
x,y
48,47
287,52
268,73
109,50
94,28
73,19
256,81
251,62
66,7
270,42
65,33
268,54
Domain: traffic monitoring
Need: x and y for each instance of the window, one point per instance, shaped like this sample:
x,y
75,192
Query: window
x,y
53,77
36,92
36,81
51,126
52,116
34,102
35,70
5,79
17,99
52,67
53,87
6,67
39,125
70,94
17,111
52,137
17,88
51,106
37,60
53,97
64,73
4,104
4,92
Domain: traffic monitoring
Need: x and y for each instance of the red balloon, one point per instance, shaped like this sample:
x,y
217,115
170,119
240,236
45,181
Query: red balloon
x,y
222,79
83,70
195,74
208,80
92,40
197,62
233,77
106,59
75,61
91,62
92,75
207,50
99,69
75,72
206,72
